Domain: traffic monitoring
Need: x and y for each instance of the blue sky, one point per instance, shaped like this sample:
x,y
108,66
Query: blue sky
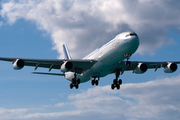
x,y
38,29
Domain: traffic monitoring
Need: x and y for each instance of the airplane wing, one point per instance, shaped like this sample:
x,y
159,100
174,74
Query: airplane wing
x,y
78,65
139,67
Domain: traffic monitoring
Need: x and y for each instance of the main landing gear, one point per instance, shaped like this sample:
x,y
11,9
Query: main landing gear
x,y
75,82
116,83
95,82
127,57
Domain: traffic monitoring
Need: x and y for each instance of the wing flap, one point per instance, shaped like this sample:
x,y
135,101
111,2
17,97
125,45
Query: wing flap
x,y
43,64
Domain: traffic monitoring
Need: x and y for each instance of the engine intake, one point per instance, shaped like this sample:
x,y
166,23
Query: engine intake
x,y
66,66
141,68
18,64
170,68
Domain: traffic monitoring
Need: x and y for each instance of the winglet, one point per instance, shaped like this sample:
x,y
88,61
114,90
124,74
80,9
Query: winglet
x,y
66,52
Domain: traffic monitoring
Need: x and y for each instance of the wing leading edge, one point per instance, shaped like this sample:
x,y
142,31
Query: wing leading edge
x,y
81,65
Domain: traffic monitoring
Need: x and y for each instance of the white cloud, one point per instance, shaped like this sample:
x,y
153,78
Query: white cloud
x,y
158,99
151,100
1,23
11,113
60,104
86,24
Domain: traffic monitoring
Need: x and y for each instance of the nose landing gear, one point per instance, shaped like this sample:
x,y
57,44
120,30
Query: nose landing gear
x,y
127,57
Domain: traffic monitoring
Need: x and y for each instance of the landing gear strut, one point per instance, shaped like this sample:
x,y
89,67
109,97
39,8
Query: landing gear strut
x,y
95,82
116,83
75,82
127,57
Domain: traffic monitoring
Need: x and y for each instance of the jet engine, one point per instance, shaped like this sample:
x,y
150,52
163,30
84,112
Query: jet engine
x,y
170,68
141,68
66,66
18,64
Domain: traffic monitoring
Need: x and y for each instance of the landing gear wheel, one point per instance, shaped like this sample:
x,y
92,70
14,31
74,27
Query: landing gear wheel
x,y
117,83
112,86
118,86
78,81
96,82
120,82
77,86
75,83
71,85
92,82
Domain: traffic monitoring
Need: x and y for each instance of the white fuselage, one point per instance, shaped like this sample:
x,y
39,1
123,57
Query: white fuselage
x,y
108,56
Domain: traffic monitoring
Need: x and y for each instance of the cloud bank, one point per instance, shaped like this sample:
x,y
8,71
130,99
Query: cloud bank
x,y
86,24
153,100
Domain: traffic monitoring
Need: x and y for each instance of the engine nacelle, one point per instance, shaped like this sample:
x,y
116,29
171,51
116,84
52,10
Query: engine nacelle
x,y
141,68
18,64
66,66
170,68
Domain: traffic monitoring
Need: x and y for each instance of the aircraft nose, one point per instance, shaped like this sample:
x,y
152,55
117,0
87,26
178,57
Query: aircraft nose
x,y
133,36
135,40
132,39
132,43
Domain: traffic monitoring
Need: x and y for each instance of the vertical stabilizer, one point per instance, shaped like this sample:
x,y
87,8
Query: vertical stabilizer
x,y
66,52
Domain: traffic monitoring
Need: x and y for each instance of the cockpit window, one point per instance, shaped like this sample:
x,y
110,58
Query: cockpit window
x,y
131,34
127,35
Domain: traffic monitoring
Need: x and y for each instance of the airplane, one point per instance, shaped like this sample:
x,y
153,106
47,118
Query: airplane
x,y
112,57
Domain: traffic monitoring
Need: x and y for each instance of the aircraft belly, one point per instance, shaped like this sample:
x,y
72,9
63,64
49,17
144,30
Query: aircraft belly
x,y
99,70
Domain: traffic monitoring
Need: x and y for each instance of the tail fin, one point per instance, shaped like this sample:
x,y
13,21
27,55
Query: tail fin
x,y
66,52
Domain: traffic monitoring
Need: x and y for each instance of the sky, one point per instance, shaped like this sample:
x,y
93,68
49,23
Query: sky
x,y
38,28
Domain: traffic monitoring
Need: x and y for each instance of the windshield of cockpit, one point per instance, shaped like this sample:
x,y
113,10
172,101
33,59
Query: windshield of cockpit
x,y
131,34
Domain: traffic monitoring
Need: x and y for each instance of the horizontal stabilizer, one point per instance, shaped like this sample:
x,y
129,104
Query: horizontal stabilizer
x,y
48,73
